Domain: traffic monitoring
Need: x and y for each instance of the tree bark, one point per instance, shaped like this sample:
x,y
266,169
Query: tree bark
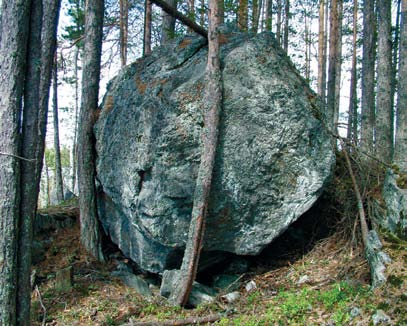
x,y
124,25
269,15
384,137
338,63
242,15
182,18
29,183
59,187
74,152
255,15
89,224
352,132
212,106
394,66
321,51
368,73
278,27
401,127
286,25
147,27
13,46
168,22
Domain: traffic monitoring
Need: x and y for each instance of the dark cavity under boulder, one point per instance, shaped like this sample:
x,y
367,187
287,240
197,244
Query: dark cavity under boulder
x,y
273,157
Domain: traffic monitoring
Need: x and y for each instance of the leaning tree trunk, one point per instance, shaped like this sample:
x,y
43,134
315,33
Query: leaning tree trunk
x,y
90,228
368,72
384,136
29,183
14,32
213,104
401,128
59,184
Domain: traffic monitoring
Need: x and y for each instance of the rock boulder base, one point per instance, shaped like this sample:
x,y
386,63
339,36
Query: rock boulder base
x,y
273,157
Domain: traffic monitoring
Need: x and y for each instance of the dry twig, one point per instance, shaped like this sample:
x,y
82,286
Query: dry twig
x,y
179,322
44,318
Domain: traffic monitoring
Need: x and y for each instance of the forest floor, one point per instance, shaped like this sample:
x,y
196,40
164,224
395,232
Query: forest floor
x,y
328,285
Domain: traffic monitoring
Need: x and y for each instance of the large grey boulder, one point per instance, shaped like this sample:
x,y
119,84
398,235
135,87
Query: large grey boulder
x,y
273,157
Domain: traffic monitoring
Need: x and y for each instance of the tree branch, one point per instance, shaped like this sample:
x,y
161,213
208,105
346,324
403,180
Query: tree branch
x,y
19,157
179,322
182,18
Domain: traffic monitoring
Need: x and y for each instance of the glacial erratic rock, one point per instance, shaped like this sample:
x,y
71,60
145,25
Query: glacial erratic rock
x,y
272,162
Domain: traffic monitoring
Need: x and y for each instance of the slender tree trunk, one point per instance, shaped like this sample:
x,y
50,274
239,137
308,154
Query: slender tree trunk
x,y
48,185
321,50
338,63
368,73
352,132
124,26
401,127
384,137
29,183
269,15
255,15
147,27
74,152
58,167
279,13
286,25
394,66
168,23
243,13
191,10
213,101
307,54
221,14
90,228
332,67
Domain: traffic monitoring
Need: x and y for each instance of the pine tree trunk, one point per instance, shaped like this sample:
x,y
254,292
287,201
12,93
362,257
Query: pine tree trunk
x,y
368,73
90,228
213,104
352,132
286,25
384,137
243,14
13,47
168,23
338,68
74,153
278,27
394,66
321,51
255,15
221,15
269,15
307,54
401,127
147,27
124,26
191,10
58,167
29,184
332,65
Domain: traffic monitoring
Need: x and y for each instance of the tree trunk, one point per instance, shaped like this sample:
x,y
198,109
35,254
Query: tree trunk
x,y
401,127
307,54
13,46
191,10
255,15
58,167
321,51
48,185
352,132
338,68
74,153
124,26
384,137
286,25
29,183
213,104
333,65
90,228
394,66
279,13
269,15
221,14
368,73
168,23
147,27
243,13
